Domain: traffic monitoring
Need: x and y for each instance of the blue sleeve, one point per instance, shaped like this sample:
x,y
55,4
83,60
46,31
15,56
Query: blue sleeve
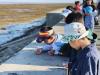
x,y
90,67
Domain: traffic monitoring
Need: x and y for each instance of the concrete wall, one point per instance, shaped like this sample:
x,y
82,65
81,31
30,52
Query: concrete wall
x,y
54,17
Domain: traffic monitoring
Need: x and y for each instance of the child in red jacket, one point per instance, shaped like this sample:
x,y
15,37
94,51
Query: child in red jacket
x,y
77,6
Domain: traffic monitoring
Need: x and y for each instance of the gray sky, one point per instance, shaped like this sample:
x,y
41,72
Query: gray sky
x,y
39,1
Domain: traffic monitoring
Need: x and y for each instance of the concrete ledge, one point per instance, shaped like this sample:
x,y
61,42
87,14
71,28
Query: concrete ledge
x,y
54,17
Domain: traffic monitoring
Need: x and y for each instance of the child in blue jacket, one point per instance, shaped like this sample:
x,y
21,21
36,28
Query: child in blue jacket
x,y
88,10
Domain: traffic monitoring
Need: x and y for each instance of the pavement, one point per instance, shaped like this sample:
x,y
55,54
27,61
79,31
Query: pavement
x,y
25,62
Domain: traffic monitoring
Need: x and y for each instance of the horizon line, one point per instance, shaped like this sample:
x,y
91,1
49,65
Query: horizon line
x,y
35,2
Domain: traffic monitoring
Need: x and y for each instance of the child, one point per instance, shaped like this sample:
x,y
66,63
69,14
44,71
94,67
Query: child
x,y
53,41
66,49
77,6
87,61
88,10
74,18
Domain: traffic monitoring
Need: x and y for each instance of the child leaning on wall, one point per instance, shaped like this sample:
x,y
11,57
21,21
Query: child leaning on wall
x,y
52,41
87,61
66,49
74,18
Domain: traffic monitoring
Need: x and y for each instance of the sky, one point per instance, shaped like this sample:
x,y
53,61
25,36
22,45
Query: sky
x,y
38,1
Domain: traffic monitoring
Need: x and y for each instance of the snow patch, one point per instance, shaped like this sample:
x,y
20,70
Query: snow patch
x,y
17,30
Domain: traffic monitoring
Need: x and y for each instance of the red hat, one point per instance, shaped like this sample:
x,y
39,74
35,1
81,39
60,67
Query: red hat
x,y
45,35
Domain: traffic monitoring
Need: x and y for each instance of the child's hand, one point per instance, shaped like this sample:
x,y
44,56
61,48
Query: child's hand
x,y
38,51
65,64
51,52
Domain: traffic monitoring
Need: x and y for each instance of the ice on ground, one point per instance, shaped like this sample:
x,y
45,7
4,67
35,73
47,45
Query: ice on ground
x,y
16,30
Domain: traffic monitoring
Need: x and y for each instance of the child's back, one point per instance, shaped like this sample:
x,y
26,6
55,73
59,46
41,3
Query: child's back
x,y
88,10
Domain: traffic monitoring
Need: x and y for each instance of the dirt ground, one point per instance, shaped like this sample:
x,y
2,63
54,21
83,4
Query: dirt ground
x,y
16,13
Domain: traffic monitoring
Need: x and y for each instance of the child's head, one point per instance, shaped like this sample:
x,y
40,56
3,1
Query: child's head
x,y
46,35
76,35
74,17
77,2
89,2
70,8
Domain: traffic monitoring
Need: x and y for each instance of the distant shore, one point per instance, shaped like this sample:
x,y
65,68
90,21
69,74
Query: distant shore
x,y
19,13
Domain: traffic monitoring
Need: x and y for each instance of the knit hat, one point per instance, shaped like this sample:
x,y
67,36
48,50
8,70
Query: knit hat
x,y
45,34
74,31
